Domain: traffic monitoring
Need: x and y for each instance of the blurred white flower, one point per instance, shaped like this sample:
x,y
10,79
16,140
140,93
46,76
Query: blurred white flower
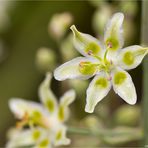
x,y
46,120
107,61
58,24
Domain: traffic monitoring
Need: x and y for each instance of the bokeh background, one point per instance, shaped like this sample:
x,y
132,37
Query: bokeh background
x,y
31,44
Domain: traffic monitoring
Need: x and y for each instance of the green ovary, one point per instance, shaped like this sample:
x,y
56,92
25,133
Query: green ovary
x,y
128,58
93,48
119,78
102,82
87,68
112,43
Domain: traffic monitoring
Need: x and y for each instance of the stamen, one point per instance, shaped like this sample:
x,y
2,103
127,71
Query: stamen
x,y
109,45
89,52
24,121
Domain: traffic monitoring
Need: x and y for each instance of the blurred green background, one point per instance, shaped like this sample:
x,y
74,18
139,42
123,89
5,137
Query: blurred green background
x,y
24,29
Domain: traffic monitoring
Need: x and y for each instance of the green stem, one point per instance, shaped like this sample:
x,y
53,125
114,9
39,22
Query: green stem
x,y
104,132
145,69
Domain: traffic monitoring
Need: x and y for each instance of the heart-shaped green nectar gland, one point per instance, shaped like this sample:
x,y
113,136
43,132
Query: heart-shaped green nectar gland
x,y
87,68
112,43
92,48
128,58
102,82
119,78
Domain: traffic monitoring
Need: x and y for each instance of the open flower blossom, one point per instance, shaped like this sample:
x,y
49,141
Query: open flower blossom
x,y
45,121
107,61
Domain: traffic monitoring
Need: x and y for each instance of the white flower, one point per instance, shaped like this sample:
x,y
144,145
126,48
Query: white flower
x,y
46,120
107,61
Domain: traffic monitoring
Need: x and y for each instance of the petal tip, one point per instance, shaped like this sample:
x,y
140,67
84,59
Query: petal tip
x,y
88,109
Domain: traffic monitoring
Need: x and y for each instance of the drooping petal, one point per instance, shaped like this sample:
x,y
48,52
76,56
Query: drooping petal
x,y
86,44
97,90
20,138
80,67
123,86
22,108
65,101
131,56
113,37
60,136
46,95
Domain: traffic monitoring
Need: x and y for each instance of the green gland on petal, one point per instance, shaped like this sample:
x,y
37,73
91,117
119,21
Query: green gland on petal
x,y
128,58
61,113
112,43
92,48
102,83
44,143
119,78
59,135
36,134
87,68
50,105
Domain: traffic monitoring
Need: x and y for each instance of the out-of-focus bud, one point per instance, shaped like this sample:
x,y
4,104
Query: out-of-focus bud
x,y
127,115
67,48
130,8
59,24
45,59
79,86
100,18
97,3
92,122
4,16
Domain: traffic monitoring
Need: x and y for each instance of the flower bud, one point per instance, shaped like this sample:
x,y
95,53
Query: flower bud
x,y
45,59
59,24
127,115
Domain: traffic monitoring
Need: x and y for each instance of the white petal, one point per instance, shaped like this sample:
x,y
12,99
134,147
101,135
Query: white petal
x,y
46,95
68,98
21,107
130,57
97,90
70,70
123,86
60,136
113,37
20,138
65,101
86,43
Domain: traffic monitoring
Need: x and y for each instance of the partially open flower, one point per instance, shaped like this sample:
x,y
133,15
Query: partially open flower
x,y
107,61
46,120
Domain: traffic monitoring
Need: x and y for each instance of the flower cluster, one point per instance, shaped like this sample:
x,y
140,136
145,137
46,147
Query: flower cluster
x,y
107,61
45,121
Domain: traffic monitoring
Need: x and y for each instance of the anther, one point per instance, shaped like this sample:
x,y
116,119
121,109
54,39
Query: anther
x,y
89,52
109,45
109,78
